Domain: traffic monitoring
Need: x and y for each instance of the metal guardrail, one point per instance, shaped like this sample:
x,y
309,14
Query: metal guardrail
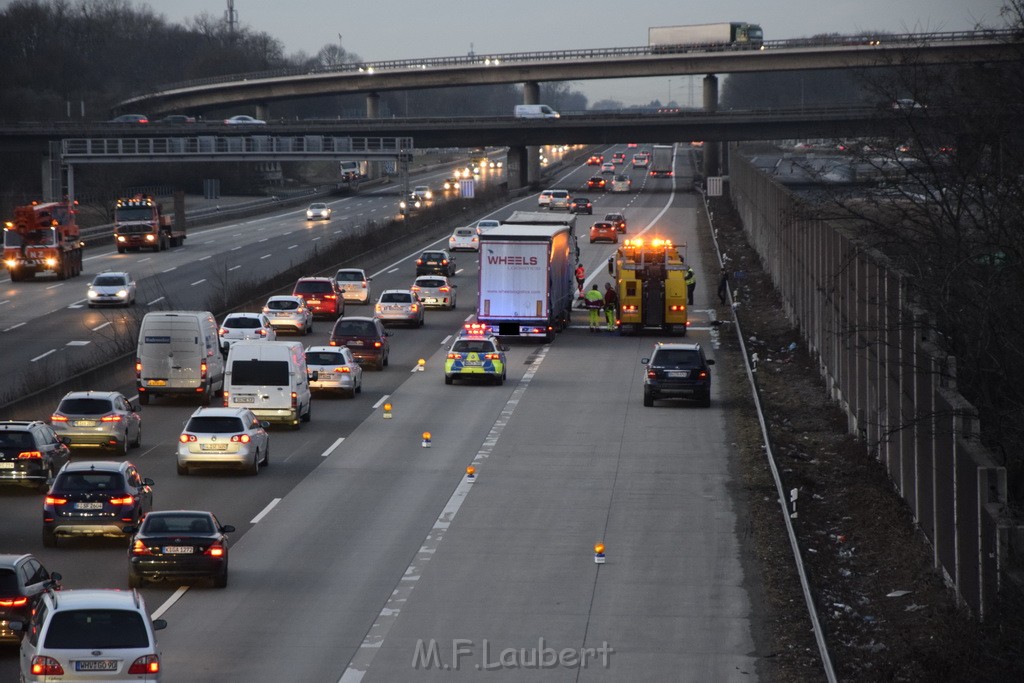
x,y
203,146
473,60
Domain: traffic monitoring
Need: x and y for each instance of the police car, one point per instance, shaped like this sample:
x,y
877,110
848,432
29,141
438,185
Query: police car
x,y
476,354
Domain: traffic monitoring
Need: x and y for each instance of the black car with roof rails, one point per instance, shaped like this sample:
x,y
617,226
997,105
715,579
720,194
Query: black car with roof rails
x,y
435,262
31,453
677,371
22,579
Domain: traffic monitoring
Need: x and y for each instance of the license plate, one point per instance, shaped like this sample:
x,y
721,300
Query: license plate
x,y
313,301
472,363
321,375
88,506
354,342
156,382
178,549
85,423
245,399
431,300
677,373
97,665
213,446
6,465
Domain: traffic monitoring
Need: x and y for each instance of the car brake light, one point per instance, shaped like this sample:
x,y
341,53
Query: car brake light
x,y
187,438
58,418
652,374
30,455
240,438
13,602
215,550
111,418
202,369
124,500
223,331
148,664
364,284
344,369
53,500
139,548
492,356
702,374
377,344
138,368
419,262
413,308
295,400
330,296
454,356
444,262
46,666
415,288
263,333
226,398
333,343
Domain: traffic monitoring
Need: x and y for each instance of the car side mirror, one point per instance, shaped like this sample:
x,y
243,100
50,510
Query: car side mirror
x,y
645,361
16,626
159,624
148,482
504,347
710,361
227,529
264,424
314,376
55,577
66,440
127,529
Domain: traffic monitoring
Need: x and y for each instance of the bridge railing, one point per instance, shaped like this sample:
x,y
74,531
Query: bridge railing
x,y
214,145
474,60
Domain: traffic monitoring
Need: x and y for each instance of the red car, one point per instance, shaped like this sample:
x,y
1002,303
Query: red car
x,y
322,296
604,231
595,160
596,183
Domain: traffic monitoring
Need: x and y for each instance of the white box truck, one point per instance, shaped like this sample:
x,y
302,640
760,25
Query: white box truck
x,y
668,38
661,161
526,280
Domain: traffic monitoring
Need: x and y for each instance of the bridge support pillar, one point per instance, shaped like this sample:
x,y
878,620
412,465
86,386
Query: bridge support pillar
x,y
531,95
517,165
712,149
373,168
262,111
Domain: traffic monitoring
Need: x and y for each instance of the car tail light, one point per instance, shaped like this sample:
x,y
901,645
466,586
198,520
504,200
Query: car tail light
x,y
30,455
123,500
138,368
344,369
444,289
630,308
415,288
148,664
223,331
187,438
444,262
111,418
215,550
53,500
240,438
414,308
677,308
492,356
364,284
295,400
419,262
46,666
58,418
703,374
330,297
333,343
653,374
140,548
377,344
454,356
262,332
226,398
13,602
202,370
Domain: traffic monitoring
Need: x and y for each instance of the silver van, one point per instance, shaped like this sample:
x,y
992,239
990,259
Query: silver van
x,y
271,380
179,353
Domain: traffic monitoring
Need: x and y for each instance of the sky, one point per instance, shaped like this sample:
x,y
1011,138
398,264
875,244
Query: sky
x,y
404,29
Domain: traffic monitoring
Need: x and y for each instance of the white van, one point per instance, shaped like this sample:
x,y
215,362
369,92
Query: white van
x,y
270,379
535,111
179,353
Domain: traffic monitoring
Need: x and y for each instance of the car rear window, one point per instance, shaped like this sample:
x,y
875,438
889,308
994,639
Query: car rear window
x,y
433,255
676,358
430,283
99,629
108,281
215,424
9,583
349,277
84,406
464,232
259,373
396,298
472,346
72,482
314,286
162,524
324,358
243,323
355,328
282,305
559,195
613,217
16,440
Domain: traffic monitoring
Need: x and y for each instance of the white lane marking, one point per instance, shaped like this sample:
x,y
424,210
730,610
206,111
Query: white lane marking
x,y
314,239
236,234
270,506
234,268
59,284
264,256
199,282
380,402
148,258
469,317
77,342
14,327
445,340
76,305
236,248
169,602
406,258
459,270
100,327
294,246
155,301
206,257
264,239
337,442
5,301
169,269
393,270
374,639
44,355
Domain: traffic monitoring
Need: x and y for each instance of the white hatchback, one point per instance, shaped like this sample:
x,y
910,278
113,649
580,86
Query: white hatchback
x,y
244,326
464,239
354,284
544,198
336,370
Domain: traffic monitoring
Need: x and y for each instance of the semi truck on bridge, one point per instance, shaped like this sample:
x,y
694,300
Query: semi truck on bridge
x,y
673,38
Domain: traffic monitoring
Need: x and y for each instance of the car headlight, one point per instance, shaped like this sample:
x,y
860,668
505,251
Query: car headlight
x,y
309,214
122,238
122,294
150,238
93,294
401,205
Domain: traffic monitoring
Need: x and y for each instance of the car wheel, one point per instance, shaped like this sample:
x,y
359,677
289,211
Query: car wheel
x,y
182,469
648,399
254,469
266,457
143,399
135,581
308,415
221,579
381,362
122,447
120,250
705,401
499,380
448,379
49,539
421,322
359,387
386,360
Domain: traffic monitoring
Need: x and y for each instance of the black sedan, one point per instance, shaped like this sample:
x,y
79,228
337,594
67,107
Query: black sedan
x,y
179,544
581,205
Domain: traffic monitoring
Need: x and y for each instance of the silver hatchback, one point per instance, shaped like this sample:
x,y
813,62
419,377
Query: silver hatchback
x,y
399,306
224,438
435,291
354,284
289,312
111,289
98,419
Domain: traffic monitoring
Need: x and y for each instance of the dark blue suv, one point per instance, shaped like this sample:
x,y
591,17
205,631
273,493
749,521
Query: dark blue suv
x,y
677,371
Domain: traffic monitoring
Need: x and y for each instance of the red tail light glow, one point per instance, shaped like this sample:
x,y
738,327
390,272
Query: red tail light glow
x,y
149,664
124,500
111,418
187,438
139,548
444,289
30,455
377,344
202,369
58,418
295,400
334,343
13,602
53,500
344,369
492,356
240,438
215,550
138,368
46,666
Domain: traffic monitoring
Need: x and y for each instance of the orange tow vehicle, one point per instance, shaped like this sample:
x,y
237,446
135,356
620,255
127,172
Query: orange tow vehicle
x,y
140,223
43,238
651,286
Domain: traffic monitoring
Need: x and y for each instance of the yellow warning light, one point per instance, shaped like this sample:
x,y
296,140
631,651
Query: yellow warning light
x,y
426,436
599,548
470,471
421,362
387,407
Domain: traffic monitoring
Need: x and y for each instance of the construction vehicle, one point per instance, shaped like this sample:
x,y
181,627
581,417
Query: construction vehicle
x,y
43,238
140,223
650,280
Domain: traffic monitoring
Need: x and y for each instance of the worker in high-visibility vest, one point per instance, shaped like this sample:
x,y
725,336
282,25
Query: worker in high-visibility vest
x,y
691,284
595,304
